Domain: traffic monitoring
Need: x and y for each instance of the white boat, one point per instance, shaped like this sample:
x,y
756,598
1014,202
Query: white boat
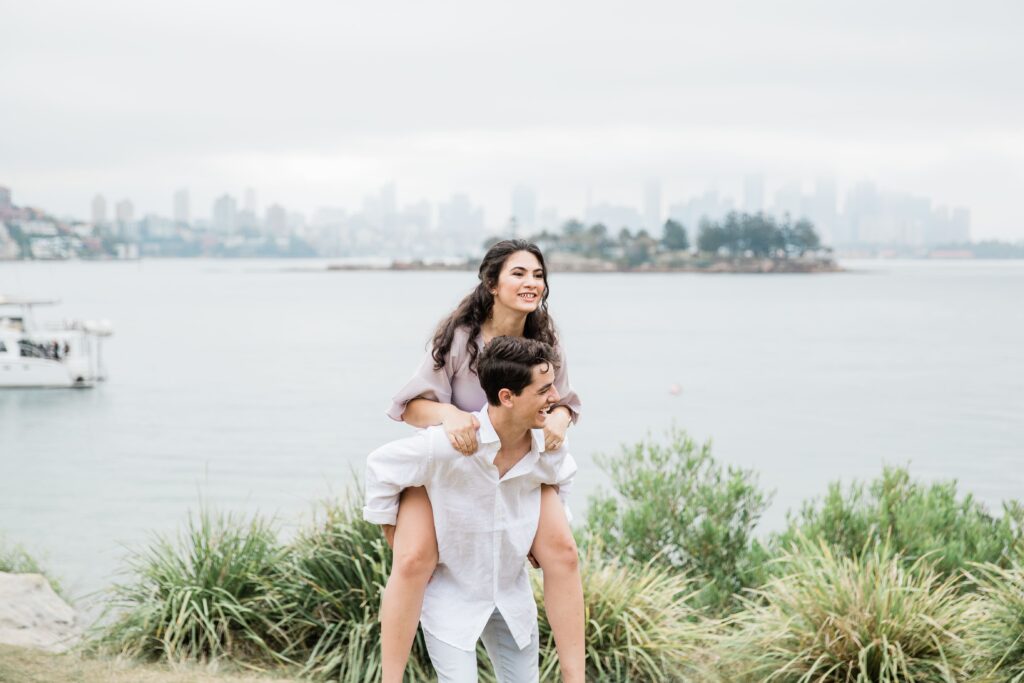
x,y
58,354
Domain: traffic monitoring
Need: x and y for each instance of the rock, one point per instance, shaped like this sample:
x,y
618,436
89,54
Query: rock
x,y
32,615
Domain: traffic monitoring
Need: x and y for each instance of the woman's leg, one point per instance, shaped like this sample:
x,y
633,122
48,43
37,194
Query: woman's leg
x,y
414,561
556,553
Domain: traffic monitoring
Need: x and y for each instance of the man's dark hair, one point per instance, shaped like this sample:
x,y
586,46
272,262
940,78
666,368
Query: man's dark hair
x,y
508,363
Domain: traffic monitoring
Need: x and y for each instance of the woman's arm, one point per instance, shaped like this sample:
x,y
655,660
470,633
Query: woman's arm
x,y
459,425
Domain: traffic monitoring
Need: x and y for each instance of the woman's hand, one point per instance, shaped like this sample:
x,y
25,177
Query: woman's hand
x,y
555,426
461,427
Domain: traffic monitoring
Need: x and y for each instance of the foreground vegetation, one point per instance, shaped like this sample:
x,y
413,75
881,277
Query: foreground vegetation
x,y
890,580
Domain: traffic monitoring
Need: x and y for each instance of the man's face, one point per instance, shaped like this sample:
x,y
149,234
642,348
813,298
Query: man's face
x,y
536,399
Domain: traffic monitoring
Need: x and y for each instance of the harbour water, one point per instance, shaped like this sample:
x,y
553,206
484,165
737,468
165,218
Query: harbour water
x,y
261,385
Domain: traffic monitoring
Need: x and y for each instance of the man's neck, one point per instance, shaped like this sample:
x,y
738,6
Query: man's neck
x,y
516,439
503,323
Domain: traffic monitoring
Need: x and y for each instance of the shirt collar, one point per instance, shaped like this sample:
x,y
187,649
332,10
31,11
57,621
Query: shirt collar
x,y
487,435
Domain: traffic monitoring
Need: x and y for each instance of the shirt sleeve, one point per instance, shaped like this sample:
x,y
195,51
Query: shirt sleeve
x,y
559,468
568,397
427,382
391,468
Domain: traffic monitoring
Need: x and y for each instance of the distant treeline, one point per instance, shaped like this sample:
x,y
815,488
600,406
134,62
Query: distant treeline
x,y
738,235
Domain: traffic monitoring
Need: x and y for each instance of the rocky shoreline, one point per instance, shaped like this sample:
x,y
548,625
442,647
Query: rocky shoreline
x,y
570,263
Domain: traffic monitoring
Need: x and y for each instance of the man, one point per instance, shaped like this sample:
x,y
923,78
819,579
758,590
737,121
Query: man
x,y
486,510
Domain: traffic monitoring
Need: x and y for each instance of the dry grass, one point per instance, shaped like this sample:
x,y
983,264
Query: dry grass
x,y
24,665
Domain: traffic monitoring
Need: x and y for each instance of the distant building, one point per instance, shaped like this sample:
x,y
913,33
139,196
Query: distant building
x,y
182,209
820,208
874,218
225,214
124,211
524,209
614,217
6,205
789,201
276,220
753,193
652,208
99,210
709,206
459,219
549,219
380,210
249,201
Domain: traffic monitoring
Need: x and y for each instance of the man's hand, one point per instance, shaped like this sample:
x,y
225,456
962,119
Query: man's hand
x,y
460,427
555,425
389,534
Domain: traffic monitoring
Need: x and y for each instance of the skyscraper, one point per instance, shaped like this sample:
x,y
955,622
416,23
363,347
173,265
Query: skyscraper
x,y
249,204
99,210
652,207
125,212
182,215
524,209
225,211
276,220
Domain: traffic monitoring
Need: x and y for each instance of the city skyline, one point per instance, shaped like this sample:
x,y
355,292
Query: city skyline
x,y
574,100
862,214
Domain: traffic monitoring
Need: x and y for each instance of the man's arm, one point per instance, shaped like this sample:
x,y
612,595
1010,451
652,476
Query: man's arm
x,y
391,468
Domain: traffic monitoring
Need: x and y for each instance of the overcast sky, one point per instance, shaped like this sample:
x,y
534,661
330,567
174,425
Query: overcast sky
x,y
317,103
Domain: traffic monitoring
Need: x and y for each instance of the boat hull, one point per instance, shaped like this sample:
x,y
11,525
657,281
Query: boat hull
x,y
41,372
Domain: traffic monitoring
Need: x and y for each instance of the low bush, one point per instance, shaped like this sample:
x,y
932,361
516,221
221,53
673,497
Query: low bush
x,y
674,504
914,520
201,596
871,618
14,559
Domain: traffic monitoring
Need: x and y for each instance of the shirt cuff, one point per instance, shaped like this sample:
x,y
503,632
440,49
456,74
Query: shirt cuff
x,y
380,516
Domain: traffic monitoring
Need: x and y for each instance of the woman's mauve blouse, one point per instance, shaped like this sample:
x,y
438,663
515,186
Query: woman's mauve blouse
x,y
457,384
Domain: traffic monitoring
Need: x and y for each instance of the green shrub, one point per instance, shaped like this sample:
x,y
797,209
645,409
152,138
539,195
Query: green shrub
x,y
200,597
14,559
915,520
1001,633
674,503
326,601
866,619
640,626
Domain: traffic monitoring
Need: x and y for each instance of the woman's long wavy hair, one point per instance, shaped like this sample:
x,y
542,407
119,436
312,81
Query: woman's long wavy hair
x,y
476,307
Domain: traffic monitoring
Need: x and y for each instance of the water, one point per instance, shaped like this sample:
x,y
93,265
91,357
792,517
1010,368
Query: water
x,y
258,386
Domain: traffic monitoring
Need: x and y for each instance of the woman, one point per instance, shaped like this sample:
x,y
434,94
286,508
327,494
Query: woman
x,y
511,299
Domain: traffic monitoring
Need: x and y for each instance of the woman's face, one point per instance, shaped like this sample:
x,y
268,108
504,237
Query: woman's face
x,y
520,284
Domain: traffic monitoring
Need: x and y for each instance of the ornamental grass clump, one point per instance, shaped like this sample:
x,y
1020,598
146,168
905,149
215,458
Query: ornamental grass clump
x,y
201,596
326,599
639,623
1001,632
828,618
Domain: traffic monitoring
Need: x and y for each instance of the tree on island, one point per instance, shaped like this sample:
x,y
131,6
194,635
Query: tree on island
x,y
757,235
674,237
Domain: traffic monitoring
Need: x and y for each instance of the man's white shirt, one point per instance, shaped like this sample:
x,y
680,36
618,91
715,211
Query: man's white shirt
x,y
485,525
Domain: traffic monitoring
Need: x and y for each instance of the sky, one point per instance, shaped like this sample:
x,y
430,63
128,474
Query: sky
x,y
318,103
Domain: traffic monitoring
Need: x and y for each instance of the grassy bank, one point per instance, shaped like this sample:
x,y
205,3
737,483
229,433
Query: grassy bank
x,y
881,581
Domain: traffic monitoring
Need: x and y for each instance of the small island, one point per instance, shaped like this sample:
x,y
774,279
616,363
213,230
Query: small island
x,y
741,243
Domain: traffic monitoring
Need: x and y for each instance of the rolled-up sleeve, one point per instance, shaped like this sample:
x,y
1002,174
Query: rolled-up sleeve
x,y
391,468
567,396
428,382
558,468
